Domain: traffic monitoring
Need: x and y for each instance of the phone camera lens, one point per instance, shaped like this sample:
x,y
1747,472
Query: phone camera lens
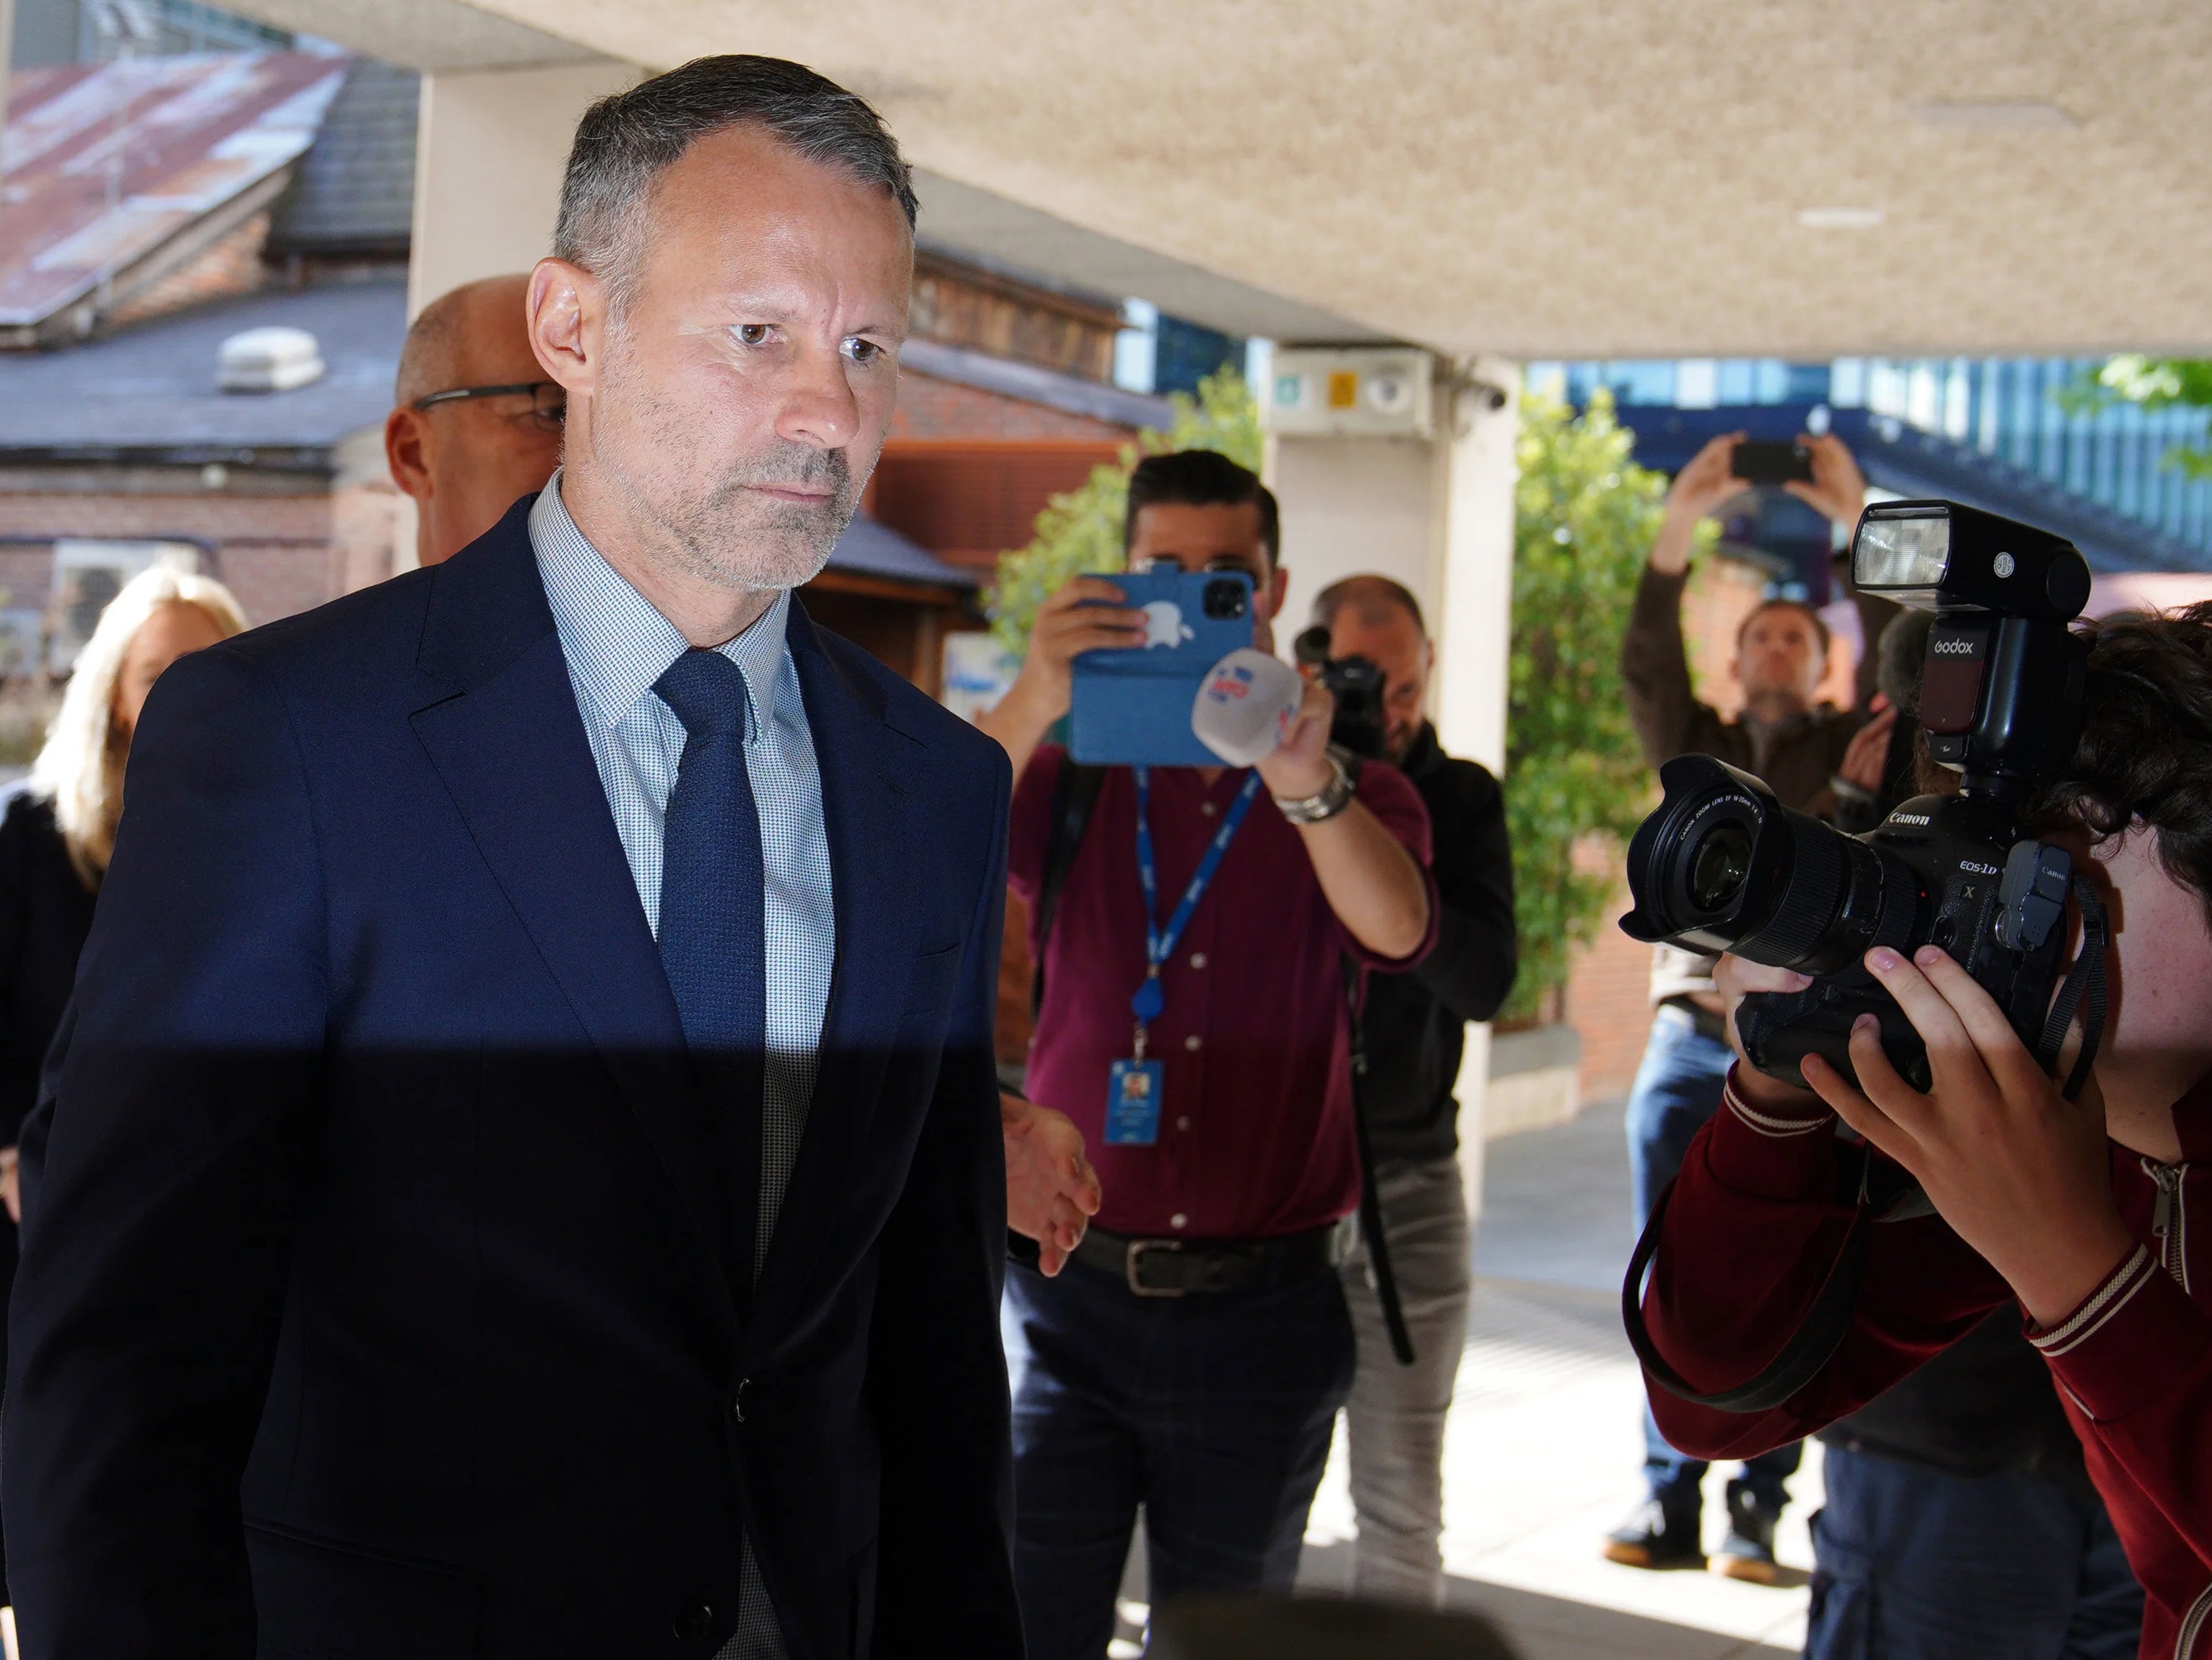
x,y
1225,599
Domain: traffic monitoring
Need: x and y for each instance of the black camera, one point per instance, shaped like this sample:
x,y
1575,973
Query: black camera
x,y
1357,685
1723,867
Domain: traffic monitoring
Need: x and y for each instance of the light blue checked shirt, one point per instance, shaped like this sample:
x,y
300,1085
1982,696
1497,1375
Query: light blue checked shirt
x,y
618,646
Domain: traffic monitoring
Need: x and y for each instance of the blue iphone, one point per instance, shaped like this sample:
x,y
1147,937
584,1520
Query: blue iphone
x,y
1131,704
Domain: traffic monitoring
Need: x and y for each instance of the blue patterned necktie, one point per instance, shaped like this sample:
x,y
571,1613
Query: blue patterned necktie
x,y
712,939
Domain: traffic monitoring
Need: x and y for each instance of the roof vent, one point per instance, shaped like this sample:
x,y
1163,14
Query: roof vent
x,y
269,360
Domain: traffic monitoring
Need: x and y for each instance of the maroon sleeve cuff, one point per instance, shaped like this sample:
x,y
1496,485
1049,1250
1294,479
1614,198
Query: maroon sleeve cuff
x,y
1768,1153
1390,796
2132,1339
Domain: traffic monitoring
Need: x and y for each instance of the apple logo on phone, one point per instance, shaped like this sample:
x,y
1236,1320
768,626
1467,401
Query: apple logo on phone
x,y
1163,624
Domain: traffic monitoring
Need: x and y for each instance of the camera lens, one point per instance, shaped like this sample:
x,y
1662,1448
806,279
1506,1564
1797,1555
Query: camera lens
x,y
1224,599
1723,866
1718,865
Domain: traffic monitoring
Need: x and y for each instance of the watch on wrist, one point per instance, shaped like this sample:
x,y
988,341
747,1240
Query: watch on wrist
x,y
1327,802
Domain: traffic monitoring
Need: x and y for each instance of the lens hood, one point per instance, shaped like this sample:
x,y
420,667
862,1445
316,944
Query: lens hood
x,y
1702,866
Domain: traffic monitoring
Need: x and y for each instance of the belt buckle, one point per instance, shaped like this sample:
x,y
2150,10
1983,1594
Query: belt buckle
x,y
1132,1267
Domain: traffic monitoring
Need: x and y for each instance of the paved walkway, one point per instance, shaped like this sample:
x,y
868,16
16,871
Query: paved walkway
x,y
1546,1443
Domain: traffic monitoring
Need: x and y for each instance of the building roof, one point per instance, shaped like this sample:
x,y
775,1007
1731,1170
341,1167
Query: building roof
x,y
107,164
148,393
354,191
1036,385
869,548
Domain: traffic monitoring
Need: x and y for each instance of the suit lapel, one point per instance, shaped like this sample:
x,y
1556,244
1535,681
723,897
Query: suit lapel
x,y
509,745
867,807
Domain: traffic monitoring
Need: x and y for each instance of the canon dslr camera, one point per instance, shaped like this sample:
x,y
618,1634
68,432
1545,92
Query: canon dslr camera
x,y
1722,866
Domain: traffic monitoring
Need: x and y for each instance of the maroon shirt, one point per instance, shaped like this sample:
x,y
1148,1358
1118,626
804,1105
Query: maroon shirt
x,y
1256,1136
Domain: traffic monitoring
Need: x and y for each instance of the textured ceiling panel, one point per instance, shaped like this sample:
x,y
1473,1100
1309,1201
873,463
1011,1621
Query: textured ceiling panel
x,y
1564,177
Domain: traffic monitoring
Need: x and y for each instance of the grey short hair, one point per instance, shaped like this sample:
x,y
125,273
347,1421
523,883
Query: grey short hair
x,y
625,142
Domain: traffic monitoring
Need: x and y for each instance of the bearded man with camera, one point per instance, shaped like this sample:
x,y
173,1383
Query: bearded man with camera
x,y
2025,1119
1368,639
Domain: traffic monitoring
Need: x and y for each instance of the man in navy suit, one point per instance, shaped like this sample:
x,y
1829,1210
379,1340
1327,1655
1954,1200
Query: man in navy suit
x,y
522,1174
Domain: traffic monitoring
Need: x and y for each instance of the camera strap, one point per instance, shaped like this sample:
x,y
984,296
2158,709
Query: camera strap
x,y
2083,991
1372,1229
1810,1346
1821,1332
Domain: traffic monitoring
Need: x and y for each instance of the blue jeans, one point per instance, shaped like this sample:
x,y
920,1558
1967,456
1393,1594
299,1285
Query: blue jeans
x,y
1677,1088
1213,1412
1912,1564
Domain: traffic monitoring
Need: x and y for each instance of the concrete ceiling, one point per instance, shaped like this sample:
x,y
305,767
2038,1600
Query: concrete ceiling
x,y
1538,177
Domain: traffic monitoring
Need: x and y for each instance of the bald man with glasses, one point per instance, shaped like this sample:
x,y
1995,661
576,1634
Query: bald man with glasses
x,y
475,425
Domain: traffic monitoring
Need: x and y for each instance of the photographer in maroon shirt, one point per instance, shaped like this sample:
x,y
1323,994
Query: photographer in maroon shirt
x,y
1193,1354
2085,1217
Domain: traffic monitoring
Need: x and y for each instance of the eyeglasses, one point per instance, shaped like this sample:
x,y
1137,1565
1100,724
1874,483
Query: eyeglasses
x,y
548,400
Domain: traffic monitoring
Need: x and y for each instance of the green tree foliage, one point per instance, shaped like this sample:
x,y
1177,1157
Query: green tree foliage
x,y
1081,529
1584,517
2155,383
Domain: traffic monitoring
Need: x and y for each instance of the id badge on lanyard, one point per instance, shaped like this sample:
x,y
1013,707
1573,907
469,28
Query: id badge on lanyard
x,y
1133,1086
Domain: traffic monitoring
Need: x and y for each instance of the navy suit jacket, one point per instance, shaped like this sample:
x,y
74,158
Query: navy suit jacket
x,y
371,1302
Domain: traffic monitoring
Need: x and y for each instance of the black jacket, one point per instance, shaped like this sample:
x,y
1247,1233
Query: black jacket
x,y
1415,1023
46,911
1984,1406
375,1299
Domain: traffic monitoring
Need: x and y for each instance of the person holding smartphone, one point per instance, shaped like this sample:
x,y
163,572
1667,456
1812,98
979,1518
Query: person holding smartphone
x,y
1798,746
1193,1355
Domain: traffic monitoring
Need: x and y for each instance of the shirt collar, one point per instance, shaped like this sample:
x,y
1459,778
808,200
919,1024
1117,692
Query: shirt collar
x,y
616,644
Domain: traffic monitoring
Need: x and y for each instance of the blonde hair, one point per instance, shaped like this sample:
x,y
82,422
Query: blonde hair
x,y
80,769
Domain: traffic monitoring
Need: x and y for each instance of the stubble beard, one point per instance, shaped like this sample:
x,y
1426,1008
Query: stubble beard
x,y
730,533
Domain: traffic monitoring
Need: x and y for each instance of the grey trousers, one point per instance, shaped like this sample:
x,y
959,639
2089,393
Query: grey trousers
x,y
1396,1416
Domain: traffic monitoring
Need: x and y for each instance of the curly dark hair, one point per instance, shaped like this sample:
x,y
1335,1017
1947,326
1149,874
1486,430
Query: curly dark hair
x,y
2145,756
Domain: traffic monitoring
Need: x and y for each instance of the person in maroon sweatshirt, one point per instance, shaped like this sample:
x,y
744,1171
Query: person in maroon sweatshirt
x,y
2085,1214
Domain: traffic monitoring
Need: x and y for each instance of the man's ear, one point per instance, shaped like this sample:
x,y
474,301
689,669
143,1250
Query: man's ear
x,y
1279,582
406,437
566,312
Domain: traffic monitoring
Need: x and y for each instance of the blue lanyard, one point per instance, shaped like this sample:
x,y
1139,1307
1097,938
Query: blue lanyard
x,y
1160,942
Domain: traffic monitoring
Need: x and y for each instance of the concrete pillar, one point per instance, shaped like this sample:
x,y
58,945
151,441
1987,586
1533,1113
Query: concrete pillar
x,y
1437,515
490,147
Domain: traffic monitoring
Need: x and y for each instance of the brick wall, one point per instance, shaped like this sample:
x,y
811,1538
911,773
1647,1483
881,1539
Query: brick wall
x,y
1607,1003
278,554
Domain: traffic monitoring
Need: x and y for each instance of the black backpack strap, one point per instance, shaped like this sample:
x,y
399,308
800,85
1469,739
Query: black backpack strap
x,y
1074,793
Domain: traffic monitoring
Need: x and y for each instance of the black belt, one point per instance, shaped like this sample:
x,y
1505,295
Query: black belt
x,y
1177,1267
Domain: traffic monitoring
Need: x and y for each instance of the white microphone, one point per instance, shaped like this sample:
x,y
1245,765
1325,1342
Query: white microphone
x,y
1246,706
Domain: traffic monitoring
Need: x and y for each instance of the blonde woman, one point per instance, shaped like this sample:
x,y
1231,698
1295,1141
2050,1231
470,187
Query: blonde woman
x,y
57,836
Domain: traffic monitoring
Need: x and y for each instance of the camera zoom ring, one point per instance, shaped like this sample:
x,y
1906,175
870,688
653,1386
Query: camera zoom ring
x,y
1812,886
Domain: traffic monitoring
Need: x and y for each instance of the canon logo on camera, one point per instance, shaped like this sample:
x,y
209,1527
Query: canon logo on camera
x,y
1959,646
